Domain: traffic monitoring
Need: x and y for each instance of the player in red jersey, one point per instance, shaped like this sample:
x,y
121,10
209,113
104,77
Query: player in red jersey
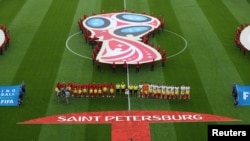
x,y
105,89
163,60
113,67
125,67
84,90
137,67
111,90
152,65
99,88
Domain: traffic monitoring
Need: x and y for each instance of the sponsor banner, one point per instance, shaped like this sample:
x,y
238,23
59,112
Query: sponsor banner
x,y
9,95
243,94
223,132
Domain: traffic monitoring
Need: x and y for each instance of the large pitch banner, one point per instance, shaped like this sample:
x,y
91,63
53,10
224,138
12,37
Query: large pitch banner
x,y
9,95
243,94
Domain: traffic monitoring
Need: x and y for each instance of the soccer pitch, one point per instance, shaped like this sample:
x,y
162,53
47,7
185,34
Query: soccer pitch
x,y
46,47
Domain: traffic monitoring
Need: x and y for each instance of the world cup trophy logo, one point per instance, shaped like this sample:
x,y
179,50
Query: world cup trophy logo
x,y
121,36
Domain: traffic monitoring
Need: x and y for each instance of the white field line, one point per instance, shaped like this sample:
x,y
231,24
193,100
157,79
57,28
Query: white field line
x,y
77,54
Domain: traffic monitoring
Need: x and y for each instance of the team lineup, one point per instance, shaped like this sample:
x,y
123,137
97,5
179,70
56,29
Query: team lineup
x,y
142,90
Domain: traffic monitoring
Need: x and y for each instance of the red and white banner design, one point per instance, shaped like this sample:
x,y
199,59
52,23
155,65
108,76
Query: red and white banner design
x,y
127,116
128,125
245,37
2,37
121,36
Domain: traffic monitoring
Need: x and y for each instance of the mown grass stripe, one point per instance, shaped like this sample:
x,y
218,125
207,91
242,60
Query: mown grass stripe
x,y
171,44
106,104
138,6
9,9
197,61
22,32
204,42
82,73
109,5
238,9
40,64
91,7
230,58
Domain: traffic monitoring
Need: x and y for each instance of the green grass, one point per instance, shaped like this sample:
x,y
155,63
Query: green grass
x,y
38,55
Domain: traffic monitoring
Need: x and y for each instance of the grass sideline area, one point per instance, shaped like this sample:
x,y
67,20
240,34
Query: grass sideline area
x,y
210,64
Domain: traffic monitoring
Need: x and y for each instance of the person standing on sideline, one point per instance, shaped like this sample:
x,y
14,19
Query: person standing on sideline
x,y
163,53
114,67
158,48
152,65
234,91
93,59
20,97
163,60
137,67
125,67
99,65
23,88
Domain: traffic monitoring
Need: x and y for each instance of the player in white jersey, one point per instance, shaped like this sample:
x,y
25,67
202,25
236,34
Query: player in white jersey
x,y
187,92
168,92
176,92
183,91
163,92
158,95
172,92
154,90
150,90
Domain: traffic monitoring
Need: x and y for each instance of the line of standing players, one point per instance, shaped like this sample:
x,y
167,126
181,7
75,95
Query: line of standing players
x,y
143,90
88,89
162,91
